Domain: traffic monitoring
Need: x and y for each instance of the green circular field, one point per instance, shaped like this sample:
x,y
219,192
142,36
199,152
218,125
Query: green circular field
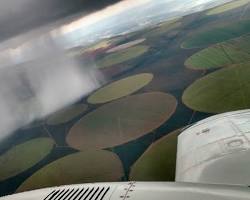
x,y
126,45
158,161
120,88
217,34
82,167
222,54
122,121
227,7
221,91
122,56
67,114
24,156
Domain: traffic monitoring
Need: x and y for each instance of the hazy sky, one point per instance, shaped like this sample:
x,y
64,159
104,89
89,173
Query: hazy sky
x,y
181,6
18,16
105,13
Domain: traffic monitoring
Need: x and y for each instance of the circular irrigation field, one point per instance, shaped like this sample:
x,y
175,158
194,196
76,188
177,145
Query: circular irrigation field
x,y
122,121
221,91
217,34
120,88
222,54
158,161
126,45
24,156
122,56
82,167
227,7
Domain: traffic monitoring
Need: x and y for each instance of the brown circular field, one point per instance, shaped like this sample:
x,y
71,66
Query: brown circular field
x,y
122,121
67,114
120,88
82,167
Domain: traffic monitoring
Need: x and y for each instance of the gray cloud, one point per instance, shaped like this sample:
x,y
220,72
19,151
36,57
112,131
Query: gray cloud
x,y
40,81
19,16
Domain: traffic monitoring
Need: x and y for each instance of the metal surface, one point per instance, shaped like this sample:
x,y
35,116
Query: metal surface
x,y
216,150
140,191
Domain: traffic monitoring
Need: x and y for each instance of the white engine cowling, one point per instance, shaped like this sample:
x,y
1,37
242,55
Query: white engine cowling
x,y
136,191
216,150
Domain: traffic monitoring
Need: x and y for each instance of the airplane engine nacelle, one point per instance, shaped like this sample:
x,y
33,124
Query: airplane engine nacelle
x,y
136,191
216,150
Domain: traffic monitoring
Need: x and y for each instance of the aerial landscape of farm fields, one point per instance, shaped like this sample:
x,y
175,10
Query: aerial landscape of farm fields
x,y
156,80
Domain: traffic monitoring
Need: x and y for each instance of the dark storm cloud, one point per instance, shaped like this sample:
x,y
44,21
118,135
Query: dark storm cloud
x,y
18,16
